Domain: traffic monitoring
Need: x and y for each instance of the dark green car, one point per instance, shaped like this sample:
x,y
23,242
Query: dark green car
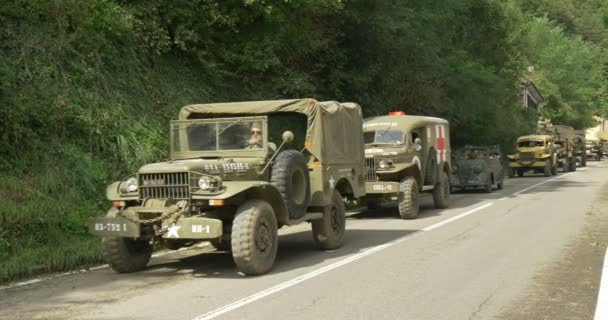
x,y
477,167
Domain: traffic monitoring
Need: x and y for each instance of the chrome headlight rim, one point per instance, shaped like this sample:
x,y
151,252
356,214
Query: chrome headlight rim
x,y
131,184
205,183
384,164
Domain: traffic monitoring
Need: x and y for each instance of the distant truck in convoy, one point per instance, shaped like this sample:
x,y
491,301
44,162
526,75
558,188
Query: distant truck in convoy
x,y
406,155
533,152
565,145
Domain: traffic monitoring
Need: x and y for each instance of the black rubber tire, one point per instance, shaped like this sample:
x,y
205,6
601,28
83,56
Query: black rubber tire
x,y
511,173
584,159
520,172
547,168
408,198
499,185
373,206
328,232
431,168
126,255
290,176
571,165
441,191
553,169
254,237
487,188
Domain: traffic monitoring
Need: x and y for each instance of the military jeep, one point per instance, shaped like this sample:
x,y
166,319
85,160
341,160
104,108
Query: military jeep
x,y
534,152
477,167
406,155
226,182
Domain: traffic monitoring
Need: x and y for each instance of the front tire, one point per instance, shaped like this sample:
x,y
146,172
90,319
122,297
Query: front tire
x,y
441,192
547,168
408,198
488,187
126,255
254,237
328,232
571,165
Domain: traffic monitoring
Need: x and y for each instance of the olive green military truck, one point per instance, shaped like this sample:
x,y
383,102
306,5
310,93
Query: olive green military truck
x,y
534,152
406,155
227,182
565,145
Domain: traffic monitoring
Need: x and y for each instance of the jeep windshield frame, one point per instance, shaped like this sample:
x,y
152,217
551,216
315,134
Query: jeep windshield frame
x,y
216,138
391,133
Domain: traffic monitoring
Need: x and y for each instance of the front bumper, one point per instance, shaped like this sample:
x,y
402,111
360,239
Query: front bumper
x,y
381,187
526,164
182,227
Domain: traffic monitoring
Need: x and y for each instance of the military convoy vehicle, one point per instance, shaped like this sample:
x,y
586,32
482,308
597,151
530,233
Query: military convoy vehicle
x,y
565,145
580,148
593,149
477,167
534,152
228,183
406,155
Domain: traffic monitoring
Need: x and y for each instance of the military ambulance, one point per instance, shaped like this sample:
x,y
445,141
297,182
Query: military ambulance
x,y
406,155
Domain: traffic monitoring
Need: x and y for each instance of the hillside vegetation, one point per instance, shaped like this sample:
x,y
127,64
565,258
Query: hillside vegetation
x,y
87,87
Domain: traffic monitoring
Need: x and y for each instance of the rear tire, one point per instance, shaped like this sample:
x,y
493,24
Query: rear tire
x,y
408,198
511,173
328,232
254,237
500,182
126,255
520,172
441,191
290,176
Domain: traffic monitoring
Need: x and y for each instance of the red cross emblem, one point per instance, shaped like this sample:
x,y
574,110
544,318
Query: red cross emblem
x,y
440,143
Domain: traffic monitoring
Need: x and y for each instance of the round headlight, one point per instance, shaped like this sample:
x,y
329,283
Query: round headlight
x,y
131,184
204,183
383,164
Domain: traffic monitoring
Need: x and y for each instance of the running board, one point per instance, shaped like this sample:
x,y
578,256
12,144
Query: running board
x,y
308,216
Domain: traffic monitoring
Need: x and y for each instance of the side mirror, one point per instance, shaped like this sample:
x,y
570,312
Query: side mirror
x,y
288,136
417,144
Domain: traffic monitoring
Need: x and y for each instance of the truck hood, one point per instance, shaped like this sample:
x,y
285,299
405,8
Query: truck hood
x,y
208,166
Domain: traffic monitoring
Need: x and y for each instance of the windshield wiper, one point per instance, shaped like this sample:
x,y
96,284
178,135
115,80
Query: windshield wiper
x,y
230,125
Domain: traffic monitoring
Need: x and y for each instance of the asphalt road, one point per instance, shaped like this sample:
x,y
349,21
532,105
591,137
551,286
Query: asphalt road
x,y
533,250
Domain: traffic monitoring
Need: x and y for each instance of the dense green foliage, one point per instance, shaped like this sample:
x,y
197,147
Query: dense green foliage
x,y
87,87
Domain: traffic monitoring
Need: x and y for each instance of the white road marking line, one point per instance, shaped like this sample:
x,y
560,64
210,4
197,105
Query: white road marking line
x,y
290,283
538,184
103,266
601,309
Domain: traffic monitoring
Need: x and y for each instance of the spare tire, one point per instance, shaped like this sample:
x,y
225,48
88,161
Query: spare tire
x,y
290,176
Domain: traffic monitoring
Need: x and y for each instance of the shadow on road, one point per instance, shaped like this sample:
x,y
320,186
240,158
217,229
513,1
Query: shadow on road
x,y
296,251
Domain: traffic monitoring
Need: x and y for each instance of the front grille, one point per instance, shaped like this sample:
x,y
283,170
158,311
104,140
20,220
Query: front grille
x,y
526,156
164,186
370,163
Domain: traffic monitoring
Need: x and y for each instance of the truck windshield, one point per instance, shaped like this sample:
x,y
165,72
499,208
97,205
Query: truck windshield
x,y
383,137
530,143
217,134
